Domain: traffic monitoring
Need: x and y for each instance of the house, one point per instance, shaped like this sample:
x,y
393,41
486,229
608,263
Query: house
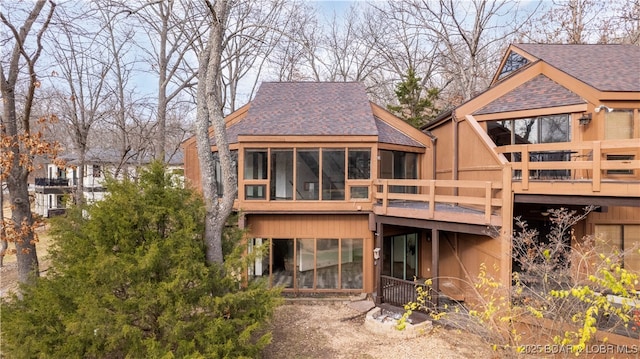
x,y
559,127
349,198
50,192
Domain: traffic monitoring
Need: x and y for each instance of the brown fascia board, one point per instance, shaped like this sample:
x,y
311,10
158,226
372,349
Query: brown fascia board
x,y
400,125
403,148
306,139
531,112
620,96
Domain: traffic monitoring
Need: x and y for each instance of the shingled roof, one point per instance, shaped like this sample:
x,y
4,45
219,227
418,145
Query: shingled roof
x,y
606,67
539,92
314,109
310,109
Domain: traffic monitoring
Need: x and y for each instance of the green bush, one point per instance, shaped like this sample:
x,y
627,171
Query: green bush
x,y
129,280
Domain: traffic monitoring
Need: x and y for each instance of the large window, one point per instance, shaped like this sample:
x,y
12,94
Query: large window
x,y
310,263
399,165
618,125
616,239
217,169
307,176
255,168
281,174
359,164
333,174
543,129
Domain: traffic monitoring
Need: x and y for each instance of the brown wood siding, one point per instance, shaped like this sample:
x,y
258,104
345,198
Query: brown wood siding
x,y
191,165
613,215
344,226
444,151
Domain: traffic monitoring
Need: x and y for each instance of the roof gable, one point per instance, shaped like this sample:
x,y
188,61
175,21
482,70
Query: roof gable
x,y
539,92
606,67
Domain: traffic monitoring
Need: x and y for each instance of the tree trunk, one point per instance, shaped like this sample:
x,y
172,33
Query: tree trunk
x,y
209,113
22,223
4,245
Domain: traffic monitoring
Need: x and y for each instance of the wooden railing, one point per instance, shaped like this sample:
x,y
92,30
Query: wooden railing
x,y
427,191
572,161
399,292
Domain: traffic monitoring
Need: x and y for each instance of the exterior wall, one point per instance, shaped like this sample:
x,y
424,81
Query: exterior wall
x,y
461,257
614,215
331,226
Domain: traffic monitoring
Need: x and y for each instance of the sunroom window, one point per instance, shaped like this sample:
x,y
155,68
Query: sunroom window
x,y
307,174
399,165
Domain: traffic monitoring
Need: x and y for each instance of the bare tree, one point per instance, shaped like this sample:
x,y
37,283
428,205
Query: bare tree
x,y
174,28
83,64
119,36
469,36
585,22
22,56
630,20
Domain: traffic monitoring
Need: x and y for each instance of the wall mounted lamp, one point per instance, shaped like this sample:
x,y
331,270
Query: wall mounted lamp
x,y
597,109
585,119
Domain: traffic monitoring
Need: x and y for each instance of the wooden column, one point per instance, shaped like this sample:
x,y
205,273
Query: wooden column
x,y
435,266
378,262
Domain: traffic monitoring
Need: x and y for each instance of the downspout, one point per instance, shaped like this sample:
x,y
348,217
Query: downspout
x,y
456,141
434,139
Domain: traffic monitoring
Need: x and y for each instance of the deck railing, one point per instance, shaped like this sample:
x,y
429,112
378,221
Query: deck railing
x,y
590,161
480,195
398,292
52,182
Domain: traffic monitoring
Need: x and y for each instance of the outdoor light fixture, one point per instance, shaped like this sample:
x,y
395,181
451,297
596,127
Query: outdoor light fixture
x,y
585,119
597,109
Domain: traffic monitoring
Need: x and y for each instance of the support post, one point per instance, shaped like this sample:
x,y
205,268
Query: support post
x,y
379,235
435,270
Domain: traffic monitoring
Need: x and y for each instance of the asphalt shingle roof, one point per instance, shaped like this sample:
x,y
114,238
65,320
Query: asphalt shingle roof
x,y
539,92
314,109
388,134
310,109
606,67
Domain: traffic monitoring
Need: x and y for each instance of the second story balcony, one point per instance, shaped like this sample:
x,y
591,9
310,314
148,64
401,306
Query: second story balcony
x,y
594,168
52,182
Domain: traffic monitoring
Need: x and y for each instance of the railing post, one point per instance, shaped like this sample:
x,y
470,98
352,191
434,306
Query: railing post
x,y
385,195
524,156
597,165
432,199
487,201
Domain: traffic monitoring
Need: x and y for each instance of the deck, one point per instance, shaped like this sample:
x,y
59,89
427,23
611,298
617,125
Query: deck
x,y
471,202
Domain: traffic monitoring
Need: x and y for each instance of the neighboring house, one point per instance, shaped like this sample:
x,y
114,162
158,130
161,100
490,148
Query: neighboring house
x,y
349,198
60,183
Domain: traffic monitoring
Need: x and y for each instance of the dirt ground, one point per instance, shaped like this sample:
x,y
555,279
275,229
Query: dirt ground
x,y
337,331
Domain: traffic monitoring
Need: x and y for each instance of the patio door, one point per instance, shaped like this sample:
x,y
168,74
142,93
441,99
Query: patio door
x,y
400,256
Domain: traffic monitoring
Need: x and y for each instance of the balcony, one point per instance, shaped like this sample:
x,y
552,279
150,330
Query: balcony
x,y
52,182
472,202
583,168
